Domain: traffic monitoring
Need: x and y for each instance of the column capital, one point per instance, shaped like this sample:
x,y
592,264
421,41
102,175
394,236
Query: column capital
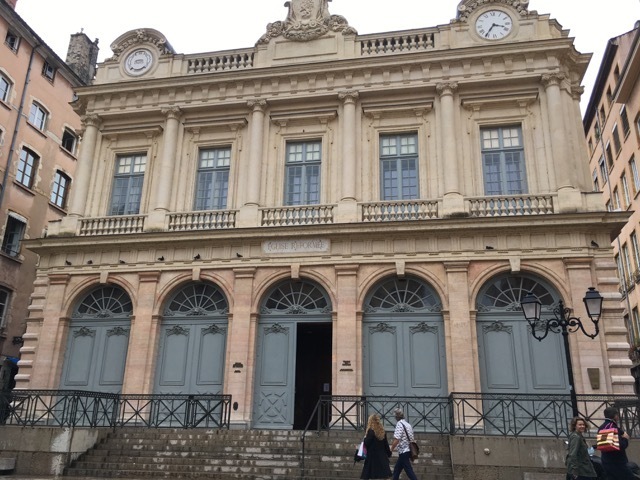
x,y
91,120
576,92
445,89
259,105
552,79
172,112
349,96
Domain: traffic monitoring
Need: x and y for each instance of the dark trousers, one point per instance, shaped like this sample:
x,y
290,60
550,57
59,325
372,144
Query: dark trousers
x,y
618,471
404,463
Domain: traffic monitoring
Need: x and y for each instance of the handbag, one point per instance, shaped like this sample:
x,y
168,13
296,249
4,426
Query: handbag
x,y
413,446
607,439
361,452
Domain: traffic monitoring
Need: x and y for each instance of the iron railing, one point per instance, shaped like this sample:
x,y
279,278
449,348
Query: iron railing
x,y
476,413
73,408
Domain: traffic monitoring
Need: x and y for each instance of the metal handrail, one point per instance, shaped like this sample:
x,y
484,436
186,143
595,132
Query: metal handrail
x,y
77,408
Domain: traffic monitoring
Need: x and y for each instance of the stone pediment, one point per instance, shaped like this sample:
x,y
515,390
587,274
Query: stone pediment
x,y
467,7
141,36
307,20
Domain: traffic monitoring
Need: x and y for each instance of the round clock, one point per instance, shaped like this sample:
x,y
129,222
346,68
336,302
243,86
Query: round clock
x,y
494,25
138,62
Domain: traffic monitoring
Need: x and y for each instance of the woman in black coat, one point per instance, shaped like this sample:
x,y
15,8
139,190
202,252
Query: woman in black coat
x,y
376,464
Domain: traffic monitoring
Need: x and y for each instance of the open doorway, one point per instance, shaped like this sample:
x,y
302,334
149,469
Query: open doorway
x,y
313,369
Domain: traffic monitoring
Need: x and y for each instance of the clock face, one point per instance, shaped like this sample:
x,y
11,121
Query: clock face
x,y
494,25
138,62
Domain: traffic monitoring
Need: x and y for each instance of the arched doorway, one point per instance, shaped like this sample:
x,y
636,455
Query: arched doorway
x,y
403,340
511,360
294,352
98,341
193,339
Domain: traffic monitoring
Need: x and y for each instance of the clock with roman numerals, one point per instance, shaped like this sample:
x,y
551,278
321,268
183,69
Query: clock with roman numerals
x,y
494,25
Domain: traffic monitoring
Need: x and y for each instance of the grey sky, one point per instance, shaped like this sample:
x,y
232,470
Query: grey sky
x,y
197,26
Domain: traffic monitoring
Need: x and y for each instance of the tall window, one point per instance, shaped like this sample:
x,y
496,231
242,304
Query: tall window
x,y
127,185
13,235
616,138
302,177
626,196
213,179
636,175
635,325
627,265
609,156
594,177
60,189
12,41
69,141
5,88
37,116
399,166
603,170
635,250
27,167
48,71
616,199
624,118
609,96
503,161
4,305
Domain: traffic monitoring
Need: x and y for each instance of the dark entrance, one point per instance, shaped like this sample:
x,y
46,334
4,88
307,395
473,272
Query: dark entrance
x,y
313,369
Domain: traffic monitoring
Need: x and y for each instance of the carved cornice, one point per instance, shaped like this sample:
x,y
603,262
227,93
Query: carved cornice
x,y
307,20
467,7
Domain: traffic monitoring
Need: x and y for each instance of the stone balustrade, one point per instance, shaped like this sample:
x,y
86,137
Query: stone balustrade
x,y
202,220
221,61
388,211
397,43
116,225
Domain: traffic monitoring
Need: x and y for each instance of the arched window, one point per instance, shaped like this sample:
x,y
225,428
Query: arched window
x,y
295,298
197,299
403,295
104,302
505,292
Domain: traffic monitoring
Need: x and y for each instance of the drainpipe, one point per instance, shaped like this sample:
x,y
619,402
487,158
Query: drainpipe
x,y
16,129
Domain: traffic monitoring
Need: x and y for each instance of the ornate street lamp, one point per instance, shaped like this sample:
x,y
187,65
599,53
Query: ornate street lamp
x,y
563,322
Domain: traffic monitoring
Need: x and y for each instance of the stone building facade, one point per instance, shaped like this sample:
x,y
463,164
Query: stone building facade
x,y
330,213
39,138
612,129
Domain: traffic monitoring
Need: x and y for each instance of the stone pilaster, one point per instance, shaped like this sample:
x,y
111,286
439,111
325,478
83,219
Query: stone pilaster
x,y
347,334
462,345
562,166
141,356
240,366
252,194
349,100
453,201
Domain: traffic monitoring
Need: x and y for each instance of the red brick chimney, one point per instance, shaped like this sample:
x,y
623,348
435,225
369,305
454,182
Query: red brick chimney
x,y
12,3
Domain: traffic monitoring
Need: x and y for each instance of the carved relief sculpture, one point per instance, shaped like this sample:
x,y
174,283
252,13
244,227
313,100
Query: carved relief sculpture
x,y
307,20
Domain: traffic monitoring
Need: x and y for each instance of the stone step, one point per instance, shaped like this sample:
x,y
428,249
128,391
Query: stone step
x,y
227,454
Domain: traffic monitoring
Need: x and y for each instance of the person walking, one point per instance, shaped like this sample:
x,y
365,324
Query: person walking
x,y
376,463
578,463
402,435
615,462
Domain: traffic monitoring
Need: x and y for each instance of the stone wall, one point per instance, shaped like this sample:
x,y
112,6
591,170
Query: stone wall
x,y
46,451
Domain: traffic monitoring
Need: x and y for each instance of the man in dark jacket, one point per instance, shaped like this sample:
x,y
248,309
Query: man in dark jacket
x,y
615,462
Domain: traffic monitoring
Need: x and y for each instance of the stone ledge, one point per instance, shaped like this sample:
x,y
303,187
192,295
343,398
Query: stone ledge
x,y
7,463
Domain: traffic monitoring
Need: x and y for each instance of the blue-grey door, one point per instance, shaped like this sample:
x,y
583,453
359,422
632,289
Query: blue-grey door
x,y
514,366
287,305
193,338
404,351
98,341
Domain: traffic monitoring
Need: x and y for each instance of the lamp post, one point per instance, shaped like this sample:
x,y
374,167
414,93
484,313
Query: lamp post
x,y
563,322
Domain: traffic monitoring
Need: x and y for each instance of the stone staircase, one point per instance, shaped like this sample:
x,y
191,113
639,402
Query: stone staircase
x,y
242,454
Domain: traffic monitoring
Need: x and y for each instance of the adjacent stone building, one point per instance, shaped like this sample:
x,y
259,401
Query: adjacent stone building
x,y
39,137
612,129
330,213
